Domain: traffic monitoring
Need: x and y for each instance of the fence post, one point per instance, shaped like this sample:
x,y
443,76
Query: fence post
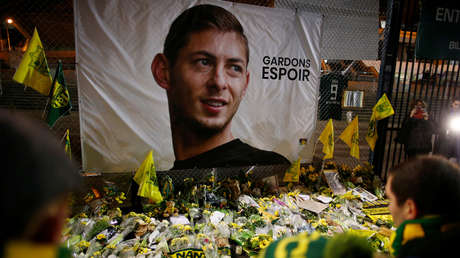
x,y
386,76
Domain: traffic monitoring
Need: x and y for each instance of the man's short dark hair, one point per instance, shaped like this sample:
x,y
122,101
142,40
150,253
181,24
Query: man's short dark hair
x,y
197,19
432,182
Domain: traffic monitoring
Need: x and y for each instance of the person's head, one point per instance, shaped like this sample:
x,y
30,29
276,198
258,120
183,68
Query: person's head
x,y
455,104
203,68
36,179
426,185
418,103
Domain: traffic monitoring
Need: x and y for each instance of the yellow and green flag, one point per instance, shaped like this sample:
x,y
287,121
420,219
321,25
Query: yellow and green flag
x,y
371,136
146,177
33,70
293,173
68,151
351,137
327,139
383,108
60,100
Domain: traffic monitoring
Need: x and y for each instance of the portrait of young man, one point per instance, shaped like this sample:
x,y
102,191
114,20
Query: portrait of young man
x,y
203,69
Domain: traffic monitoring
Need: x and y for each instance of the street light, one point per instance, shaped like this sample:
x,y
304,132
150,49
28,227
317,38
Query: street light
x,y
8,21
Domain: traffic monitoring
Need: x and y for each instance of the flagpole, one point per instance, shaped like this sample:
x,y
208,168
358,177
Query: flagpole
x,y
50,95
314,149
65,134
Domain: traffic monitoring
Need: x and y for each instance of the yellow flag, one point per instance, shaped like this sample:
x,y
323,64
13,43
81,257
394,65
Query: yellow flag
x,y
33,70
327,139
293,173
146,177
372,136
383,108
351,137
67,144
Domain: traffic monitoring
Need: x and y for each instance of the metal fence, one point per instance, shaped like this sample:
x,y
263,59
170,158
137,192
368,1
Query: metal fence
x,y
433,81
357,80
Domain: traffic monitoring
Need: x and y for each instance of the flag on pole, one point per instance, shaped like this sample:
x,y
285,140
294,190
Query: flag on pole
x,y
327,139
60,104
372,136
68,151
293,173
33,70
351,137
146,177
383,108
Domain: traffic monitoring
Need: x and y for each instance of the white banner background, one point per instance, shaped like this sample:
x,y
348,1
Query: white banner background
x,y
124,114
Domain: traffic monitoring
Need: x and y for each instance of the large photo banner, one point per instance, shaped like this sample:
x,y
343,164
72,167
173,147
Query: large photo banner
x,y
123,111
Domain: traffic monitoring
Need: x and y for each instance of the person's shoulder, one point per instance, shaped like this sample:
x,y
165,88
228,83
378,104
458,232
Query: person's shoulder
x,y
259,156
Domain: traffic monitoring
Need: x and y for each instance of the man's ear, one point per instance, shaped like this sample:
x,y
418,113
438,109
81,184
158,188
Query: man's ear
x,y
160,71
410,209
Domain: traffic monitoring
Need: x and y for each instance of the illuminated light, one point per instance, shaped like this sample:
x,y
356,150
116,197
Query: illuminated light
x,y
9,21
454,124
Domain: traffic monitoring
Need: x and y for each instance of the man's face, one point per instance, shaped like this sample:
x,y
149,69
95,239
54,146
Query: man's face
x,y
456,104
208,80
395,210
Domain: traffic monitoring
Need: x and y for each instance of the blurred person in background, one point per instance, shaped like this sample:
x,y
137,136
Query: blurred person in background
x,y
36,181
448,143
416,131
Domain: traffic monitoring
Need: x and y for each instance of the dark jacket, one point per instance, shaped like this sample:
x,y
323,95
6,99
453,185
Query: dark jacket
x,y
416,134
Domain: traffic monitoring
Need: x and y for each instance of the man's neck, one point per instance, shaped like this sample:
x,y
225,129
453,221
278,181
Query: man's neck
x,y
187,143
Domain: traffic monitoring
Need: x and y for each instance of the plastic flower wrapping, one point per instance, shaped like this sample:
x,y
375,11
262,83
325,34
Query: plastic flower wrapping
x,y
218,219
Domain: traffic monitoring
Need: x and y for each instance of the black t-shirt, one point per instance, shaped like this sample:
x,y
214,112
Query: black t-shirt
x,y
232,154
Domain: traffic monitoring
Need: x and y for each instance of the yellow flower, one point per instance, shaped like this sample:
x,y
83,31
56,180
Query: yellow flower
x,y
101,236
83,243
143,250
132,214
264,243
338,205
110,246
322,222
187,228
179,227
234,225
97,253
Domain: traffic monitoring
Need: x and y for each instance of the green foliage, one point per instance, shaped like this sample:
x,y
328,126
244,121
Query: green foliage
x,y
98,227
